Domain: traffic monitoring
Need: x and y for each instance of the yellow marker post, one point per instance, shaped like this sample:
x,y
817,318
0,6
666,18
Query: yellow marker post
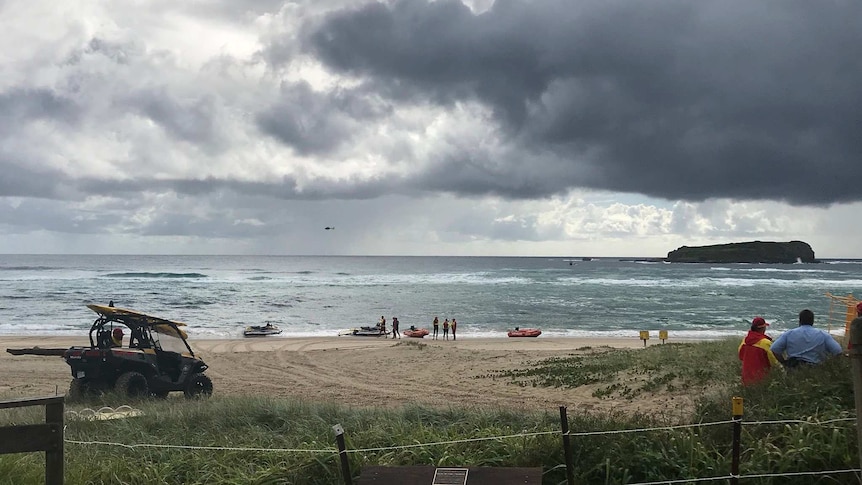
x,y
662,334
644,336
737,437
737,407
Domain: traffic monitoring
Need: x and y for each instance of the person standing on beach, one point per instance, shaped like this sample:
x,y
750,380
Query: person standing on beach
x,y
804,345
454,326
436,328
382,325
395,327
754,353
446,329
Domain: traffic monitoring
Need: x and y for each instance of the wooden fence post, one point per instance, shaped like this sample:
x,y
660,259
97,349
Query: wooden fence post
x,y
567,447
855,350
30,438
54,458
342,453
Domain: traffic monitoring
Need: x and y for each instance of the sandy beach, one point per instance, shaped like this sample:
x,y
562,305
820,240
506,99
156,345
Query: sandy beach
x,y
358,371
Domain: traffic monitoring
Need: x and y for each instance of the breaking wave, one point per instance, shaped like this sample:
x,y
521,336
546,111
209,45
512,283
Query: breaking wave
x,y
155,275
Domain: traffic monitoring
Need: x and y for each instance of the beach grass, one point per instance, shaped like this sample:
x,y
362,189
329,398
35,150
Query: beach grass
x,y
687,367
709,369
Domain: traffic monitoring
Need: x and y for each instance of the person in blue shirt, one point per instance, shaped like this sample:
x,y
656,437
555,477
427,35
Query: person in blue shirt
x,y
804,345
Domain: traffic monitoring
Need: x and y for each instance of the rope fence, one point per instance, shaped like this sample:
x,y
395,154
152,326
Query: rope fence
x,y
331,451
464,440
798,421
688,480
419,445
343,452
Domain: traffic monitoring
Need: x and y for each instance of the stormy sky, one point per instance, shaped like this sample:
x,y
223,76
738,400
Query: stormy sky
x,y
601,128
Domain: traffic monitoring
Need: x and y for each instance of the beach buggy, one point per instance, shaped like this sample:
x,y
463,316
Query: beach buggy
x,y
157,359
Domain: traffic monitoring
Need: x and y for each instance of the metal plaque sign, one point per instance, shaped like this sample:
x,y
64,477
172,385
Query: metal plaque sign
x,y
450,476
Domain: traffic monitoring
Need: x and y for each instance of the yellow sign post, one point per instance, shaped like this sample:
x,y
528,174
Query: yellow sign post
x,y
644,336
737,406
737,434
662,334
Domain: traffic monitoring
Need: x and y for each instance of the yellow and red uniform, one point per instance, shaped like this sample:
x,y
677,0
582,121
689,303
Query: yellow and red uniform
x,y
756,357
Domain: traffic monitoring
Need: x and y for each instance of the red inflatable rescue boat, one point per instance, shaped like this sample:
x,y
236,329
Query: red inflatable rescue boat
x,y
415,333
525,332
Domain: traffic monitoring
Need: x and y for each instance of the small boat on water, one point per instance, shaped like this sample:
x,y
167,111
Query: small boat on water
x,y
261,330
525,332
415,332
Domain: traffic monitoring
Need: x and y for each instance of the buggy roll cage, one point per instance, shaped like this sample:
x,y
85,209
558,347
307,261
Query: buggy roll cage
x,y
139,324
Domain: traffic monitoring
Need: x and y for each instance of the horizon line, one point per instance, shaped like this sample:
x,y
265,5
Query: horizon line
x,y
630,258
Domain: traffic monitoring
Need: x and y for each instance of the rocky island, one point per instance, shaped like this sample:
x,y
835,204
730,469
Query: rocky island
x,y
745,252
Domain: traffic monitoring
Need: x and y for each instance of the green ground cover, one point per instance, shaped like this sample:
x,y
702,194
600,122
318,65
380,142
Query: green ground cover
x,y
709,369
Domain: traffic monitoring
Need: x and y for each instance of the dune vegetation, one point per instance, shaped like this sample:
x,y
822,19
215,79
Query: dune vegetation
x,y
269,441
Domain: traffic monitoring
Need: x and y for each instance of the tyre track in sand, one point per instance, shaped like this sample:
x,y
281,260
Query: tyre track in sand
x,y
393,374
289,369
357,371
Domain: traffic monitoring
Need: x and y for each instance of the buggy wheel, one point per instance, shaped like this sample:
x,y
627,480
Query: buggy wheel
x,y
132,384
78,389
198,386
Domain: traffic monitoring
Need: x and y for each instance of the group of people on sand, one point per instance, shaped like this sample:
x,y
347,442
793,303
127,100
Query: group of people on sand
x,y
801,346
447,325
396,333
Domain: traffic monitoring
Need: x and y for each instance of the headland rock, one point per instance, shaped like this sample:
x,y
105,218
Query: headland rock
x,y
745,252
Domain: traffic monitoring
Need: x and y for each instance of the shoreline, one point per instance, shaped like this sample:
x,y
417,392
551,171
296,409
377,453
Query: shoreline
x,y
297,344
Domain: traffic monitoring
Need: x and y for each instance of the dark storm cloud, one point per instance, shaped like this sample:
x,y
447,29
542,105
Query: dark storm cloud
x,y
673,99
316,123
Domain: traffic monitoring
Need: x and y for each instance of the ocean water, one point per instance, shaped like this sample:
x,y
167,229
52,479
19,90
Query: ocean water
x,y
217,296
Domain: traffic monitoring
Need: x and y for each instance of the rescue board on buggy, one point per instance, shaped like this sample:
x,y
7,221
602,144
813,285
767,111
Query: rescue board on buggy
x,y
155,360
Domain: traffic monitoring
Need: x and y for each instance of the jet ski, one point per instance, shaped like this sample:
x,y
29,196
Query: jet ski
x,y
365,332
261,330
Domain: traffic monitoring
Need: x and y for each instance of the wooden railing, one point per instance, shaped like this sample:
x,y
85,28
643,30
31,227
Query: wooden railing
x,y
29,438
